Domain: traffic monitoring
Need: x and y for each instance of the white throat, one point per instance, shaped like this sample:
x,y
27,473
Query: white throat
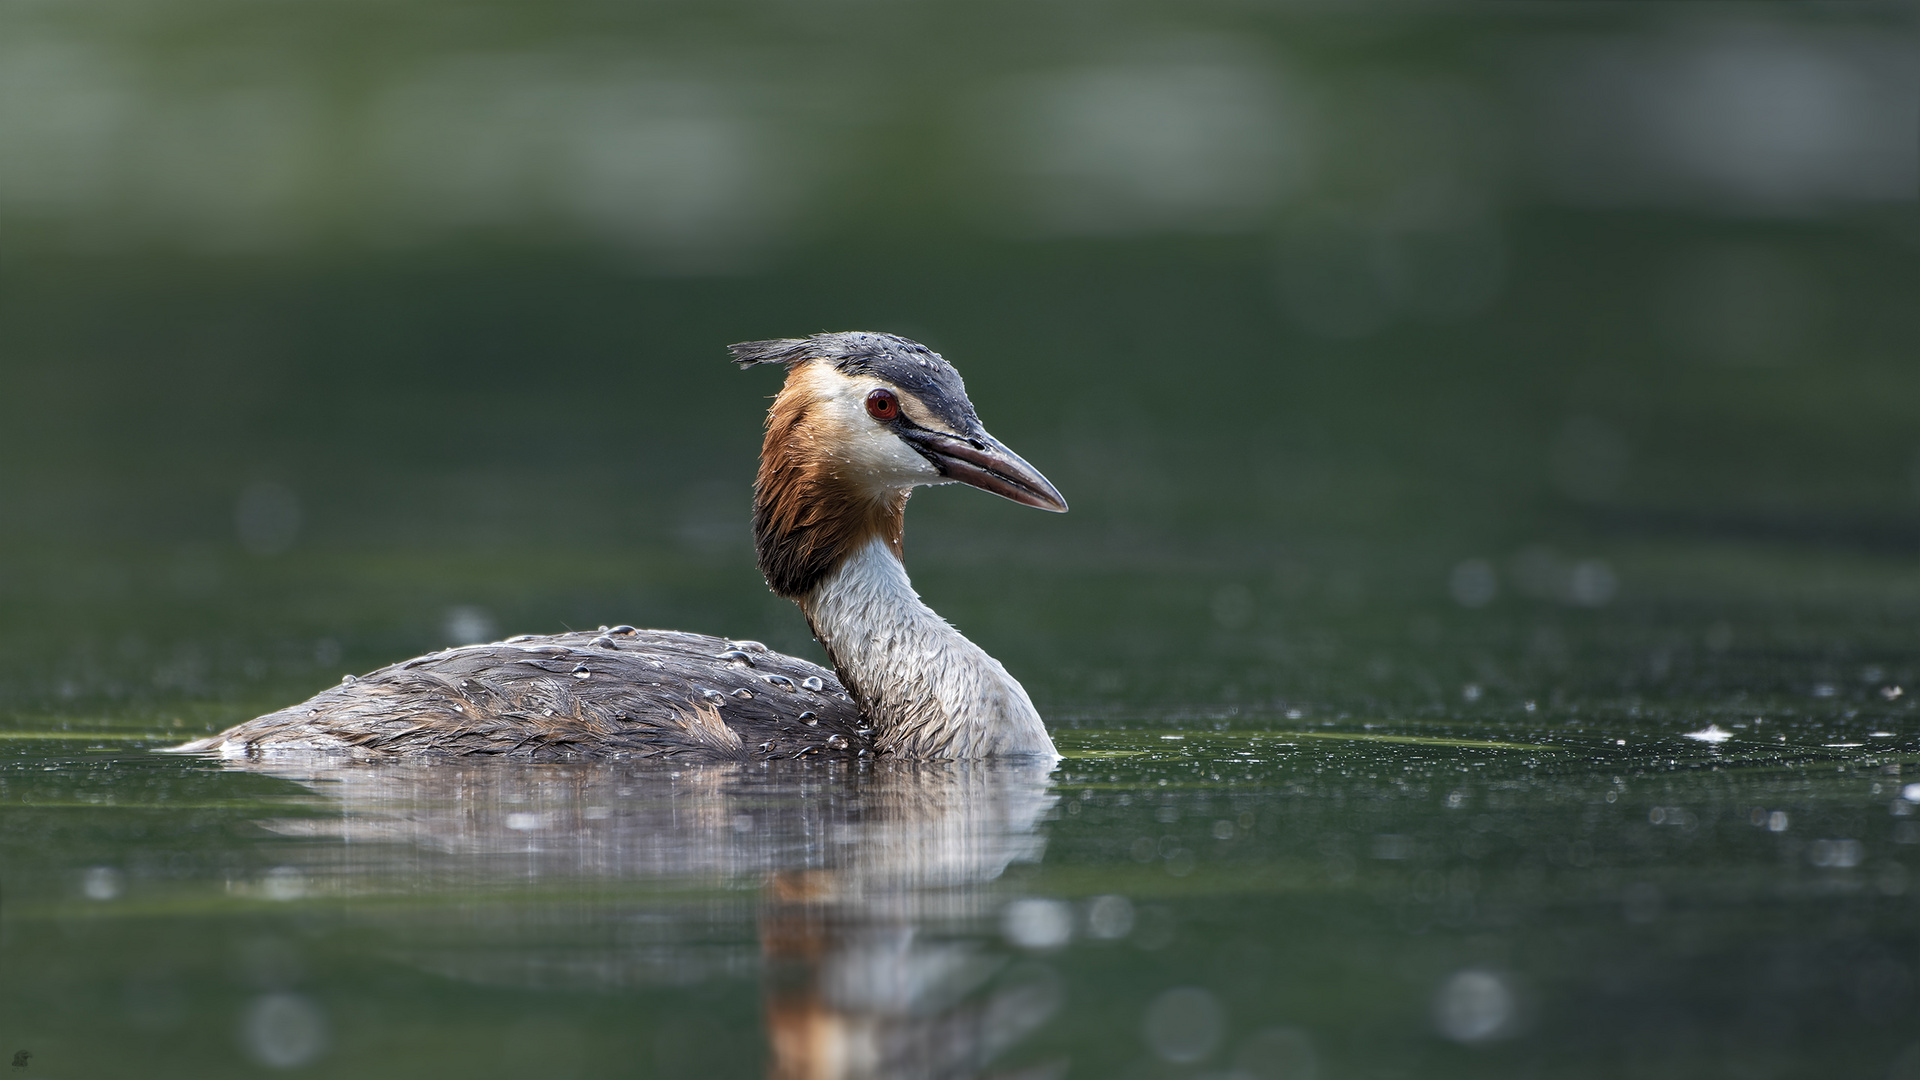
x,y
929,691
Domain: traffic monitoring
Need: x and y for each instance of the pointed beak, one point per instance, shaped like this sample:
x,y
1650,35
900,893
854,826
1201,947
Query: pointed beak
x,y
982,461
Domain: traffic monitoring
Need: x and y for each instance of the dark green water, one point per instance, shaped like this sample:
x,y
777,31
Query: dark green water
x,y
1307,900
1484,642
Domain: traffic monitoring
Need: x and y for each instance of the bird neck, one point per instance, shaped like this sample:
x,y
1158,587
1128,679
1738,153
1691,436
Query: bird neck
x,y
929,692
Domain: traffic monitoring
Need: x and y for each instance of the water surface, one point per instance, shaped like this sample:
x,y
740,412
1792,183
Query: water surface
x,y
1289,900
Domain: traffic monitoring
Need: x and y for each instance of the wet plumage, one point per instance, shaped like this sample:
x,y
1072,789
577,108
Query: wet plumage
x,y
862,419
617,693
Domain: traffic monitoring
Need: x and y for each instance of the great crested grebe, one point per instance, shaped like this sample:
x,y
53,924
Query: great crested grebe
x,y
862,420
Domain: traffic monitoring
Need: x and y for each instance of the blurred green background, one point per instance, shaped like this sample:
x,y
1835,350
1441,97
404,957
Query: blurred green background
x,y
1397,358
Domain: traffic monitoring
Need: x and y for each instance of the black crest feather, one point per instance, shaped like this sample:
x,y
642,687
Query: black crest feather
x,y
903,362
775,351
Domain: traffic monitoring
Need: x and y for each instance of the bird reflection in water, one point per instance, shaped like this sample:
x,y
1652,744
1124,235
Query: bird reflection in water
x,y
872,885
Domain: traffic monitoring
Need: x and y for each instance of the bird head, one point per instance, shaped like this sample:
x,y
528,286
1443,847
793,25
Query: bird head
x,y
862,420
889,414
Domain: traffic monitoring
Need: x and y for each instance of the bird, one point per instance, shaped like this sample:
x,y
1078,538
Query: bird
x,y
861,420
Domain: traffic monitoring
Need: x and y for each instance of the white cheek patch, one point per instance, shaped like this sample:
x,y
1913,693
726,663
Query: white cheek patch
x,y
872,453
880,457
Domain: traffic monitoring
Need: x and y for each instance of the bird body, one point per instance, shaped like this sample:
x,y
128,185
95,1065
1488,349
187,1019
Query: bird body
x,y
862,419
617,692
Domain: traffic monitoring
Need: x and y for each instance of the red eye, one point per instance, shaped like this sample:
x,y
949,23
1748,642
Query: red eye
x,y
882,405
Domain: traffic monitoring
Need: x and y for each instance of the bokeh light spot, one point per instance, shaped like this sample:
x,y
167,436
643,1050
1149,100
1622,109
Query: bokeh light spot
x,y
1184,1024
